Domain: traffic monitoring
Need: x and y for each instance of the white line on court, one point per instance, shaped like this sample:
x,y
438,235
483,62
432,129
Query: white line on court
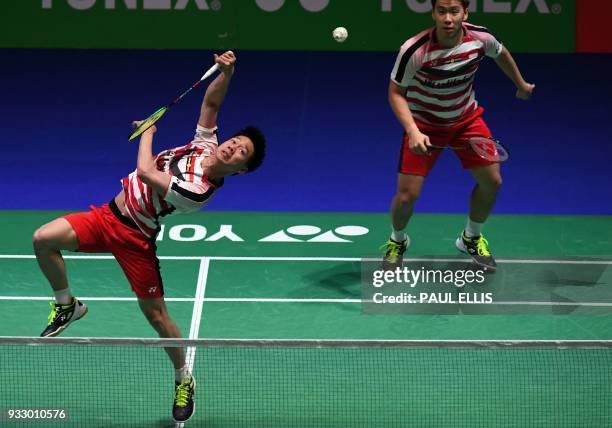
x,y
196,316
103,299
331,259
199,301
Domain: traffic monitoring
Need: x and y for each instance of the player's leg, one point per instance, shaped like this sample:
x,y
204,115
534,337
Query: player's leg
x,y
412,170
136,255
488,181
408,191
156,313
48,241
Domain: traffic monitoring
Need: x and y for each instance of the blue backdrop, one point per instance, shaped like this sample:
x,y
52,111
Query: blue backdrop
x,y
333,141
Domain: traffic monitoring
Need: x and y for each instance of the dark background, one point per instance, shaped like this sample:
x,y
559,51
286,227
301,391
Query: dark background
x,y
333,142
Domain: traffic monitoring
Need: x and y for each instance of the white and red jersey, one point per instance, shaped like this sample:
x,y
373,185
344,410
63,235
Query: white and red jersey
x,y
189,188
439,81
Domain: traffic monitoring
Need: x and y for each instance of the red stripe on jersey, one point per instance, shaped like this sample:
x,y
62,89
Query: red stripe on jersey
x,y
424,75
142,226
147,193
133,203
145,196
462,56
437,120
434,107
450,84
440,97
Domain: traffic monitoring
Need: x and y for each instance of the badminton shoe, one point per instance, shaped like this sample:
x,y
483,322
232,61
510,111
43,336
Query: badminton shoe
x,y
477,248
62,316
184,407
394,254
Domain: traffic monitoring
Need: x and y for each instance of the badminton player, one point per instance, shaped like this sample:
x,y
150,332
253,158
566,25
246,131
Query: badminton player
x,y
178,180
432,95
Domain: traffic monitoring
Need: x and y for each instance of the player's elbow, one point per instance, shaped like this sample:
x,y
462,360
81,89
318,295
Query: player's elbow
x,y
212,106
144,173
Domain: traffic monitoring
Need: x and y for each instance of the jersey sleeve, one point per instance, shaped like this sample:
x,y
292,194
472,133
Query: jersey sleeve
x,y
409,59
186,196
492,47
204,136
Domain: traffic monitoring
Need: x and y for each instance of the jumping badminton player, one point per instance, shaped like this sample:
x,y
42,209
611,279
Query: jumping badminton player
x,y
431,93
181,179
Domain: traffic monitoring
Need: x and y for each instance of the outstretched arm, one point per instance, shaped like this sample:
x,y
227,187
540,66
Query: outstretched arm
x,y
215,93
509,67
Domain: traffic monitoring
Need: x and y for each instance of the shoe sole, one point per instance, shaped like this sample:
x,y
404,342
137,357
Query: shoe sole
x,y
459,245
65,326
194,405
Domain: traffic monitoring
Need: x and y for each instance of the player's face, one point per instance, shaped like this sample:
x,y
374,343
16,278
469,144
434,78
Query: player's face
x,y
449,15
236,152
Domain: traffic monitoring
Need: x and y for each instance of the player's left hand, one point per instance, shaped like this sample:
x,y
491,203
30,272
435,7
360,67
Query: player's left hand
x,y
525,91
226,62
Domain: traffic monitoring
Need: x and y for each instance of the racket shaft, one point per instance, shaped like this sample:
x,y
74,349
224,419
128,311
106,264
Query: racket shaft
x,y
210,71
150,121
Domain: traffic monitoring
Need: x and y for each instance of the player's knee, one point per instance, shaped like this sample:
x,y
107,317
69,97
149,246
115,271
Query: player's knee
x,y
157,319
42,239
407,196
494,182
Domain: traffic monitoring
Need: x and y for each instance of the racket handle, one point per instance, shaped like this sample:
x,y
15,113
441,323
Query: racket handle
x,y
210,71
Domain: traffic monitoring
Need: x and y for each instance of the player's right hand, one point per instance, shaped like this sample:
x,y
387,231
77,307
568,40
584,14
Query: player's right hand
x,y
418,143
226,61
151,130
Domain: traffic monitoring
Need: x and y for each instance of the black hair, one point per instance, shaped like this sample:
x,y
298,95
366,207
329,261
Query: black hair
x,y
465,3
259,144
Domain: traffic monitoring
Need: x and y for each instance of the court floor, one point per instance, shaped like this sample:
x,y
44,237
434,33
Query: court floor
x,y
300,276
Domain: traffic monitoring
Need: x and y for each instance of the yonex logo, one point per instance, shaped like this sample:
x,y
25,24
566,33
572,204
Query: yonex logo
x,y
309,5
308,233
487,6
152,290
133,4
418,6
297,233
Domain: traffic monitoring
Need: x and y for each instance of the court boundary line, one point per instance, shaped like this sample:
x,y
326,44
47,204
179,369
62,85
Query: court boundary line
x,y
103,299
200,301
196,317
331,259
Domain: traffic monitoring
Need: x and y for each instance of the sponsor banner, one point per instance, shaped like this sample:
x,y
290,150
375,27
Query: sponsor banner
x,y
592,20
373,25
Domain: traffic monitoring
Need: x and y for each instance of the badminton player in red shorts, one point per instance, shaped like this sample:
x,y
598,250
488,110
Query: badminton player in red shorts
x,y
431,93
181,179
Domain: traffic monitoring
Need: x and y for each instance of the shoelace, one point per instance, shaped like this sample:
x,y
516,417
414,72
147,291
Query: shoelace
x,y
481,246
53,314
391,250
182,394
55,309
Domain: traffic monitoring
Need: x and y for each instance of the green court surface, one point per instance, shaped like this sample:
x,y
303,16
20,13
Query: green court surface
x,y
261,287
299,276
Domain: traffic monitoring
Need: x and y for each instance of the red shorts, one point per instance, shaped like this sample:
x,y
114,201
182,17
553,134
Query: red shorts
x,y
106,230
456,135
